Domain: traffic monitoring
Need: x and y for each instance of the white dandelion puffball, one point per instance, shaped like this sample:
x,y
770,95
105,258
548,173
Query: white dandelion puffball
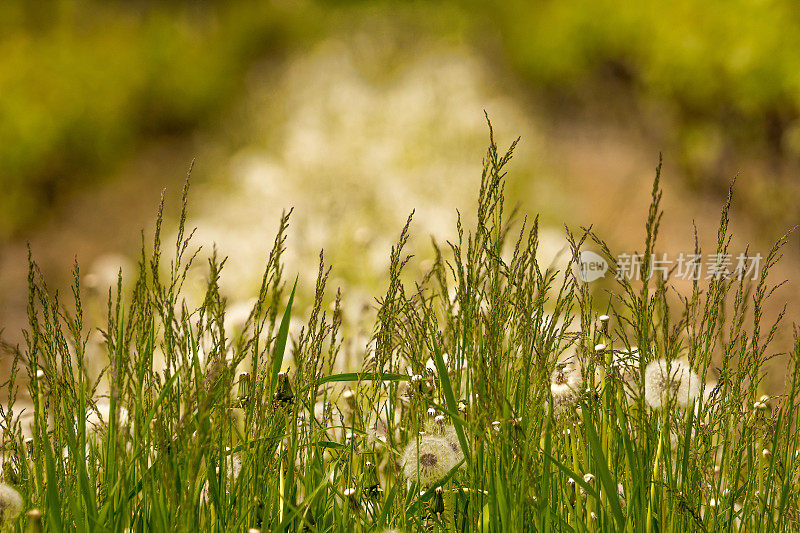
x,y
673,381
428,459
565,385
10,503
451,437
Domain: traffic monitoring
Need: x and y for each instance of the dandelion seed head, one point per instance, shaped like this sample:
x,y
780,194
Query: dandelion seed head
x,y
429,457
565,384
10,503
673,380
451,437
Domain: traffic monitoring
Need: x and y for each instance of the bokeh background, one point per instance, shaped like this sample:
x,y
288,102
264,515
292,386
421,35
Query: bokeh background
x,y
355,113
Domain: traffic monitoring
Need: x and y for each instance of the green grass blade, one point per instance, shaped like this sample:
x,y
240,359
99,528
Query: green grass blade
x,y
280,341
603,473
447,390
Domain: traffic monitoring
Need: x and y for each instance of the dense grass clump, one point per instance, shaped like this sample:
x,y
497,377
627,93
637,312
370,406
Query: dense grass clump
x,y
491,397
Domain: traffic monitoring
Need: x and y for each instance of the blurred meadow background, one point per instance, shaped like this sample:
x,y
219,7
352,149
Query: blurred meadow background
x,y
356,113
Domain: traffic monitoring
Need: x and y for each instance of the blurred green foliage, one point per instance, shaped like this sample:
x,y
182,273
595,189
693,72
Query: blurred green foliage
x,y
728,69
82,82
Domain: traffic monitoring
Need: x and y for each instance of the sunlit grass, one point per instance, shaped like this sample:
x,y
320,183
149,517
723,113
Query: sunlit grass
x,y
494,395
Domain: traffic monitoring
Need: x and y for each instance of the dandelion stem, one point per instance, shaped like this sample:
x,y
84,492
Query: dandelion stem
x,y
656,464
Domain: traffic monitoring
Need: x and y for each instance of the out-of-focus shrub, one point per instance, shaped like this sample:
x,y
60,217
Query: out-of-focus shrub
x,y
729,66
82,82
